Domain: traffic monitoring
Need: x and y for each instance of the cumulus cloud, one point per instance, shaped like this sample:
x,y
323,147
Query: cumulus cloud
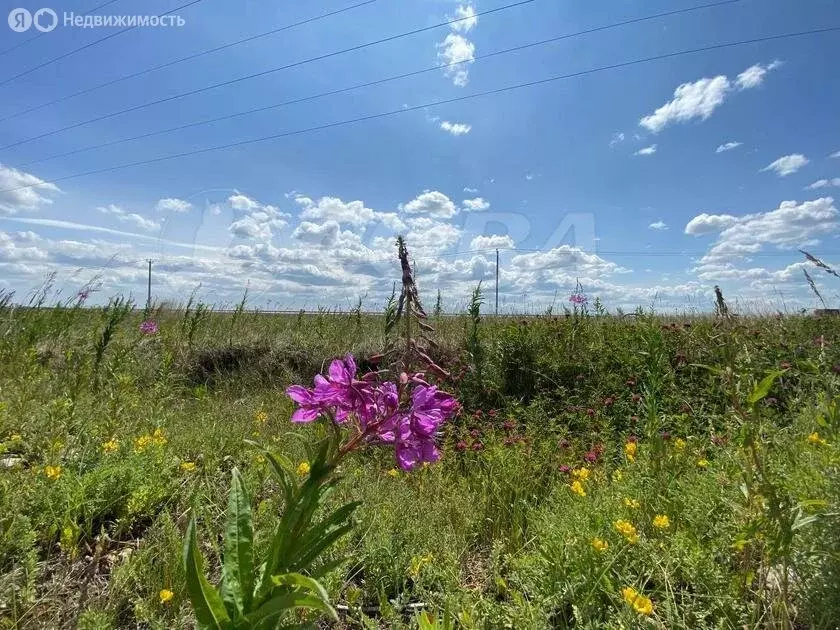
x,y
658,225
727,146
709,223
467,18
23,192
255,220
789,226
699,99
836,154
754,75
456,129
647,150
129,217
492,241
333,208
787,164
455,53
825,183
433,203
171,204
475,205
325,234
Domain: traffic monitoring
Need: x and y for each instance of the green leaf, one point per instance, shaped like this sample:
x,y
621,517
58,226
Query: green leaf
x,y
209,610
238,568
307,584
286,602
763,388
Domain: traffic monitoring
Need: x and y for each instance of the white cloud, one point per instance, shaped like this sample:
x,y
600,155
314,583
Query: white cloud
x,y
691,100
255,220
129,217
754,75
333,208
325,235
617,138
702,97
430,236
789,226
467,16
836,154
658,225
456,129
431,202
727,146
455,52
787,164
173,205
709,223
472,191
23,191
647,150
825,183
475,205
492,241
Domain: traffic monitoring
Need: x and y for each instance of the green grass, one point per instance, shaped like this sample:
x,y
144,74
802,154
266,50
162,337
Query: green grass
x,y
492,535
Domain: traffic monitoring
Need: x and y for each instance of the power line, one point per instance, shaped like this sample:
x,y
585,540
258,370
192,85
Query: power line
x,y
266,72
377,82
403,110
187,58
32,39
89,45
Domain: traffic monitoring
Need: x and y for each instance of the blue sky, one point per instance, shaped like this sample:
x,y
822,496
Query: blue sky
x,y
649,183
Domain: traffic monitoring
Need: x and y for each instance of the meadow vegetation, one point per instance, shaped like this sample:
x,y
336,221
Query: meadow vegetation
x,y
603,471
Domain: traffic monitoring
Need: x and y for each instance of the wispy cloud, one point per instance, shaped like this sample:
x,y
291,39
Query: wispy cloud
x,y
647,150
787,164
456,129
728,146
658,225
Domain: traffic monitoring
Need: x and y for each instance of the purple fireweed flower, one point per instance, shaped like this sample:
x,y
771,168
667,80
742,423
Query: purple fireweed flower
x,y
565,468
149,327
591,457
577,298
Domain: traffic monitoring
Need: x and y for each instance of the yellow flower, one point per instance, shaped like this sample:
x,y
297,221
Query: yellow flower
x,y
261,417
633,504
581,473
639,602
626,529
166,595
187,466
158,437
815,438
617,476
15,437
141,443
600,545
393,472
630,450
703,463
577,488
52,472
661,521
303,469
679,444
111,446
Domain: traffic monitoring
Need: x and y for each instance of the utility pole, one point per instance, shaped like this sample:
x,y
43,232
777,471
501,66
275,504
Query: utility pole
x,y
149,294
497,283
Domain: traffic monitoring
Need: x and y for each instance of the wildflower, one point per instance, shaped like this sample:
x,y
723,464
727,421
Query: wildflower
x,y
565,469
815,438
158,438
52,472
703,463
630,449
492,413
639,602
477,446
260,417
165,595
111,446
508,425
590,457
617,476
475,433
600,545
564,443
577,488
679,444
661,521
633,504
142,442
577,299
626,529
149,327
15,437
303,469
581,473
187,466
393,472
461,446
609,401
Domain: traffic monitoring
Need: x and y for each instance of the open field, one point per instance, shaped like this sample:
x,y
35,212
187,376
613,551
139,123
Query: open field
x,y
694,461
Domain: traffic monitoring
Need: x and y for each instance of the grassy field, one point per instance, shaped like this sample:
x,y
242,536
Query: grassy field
x,y
635,471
